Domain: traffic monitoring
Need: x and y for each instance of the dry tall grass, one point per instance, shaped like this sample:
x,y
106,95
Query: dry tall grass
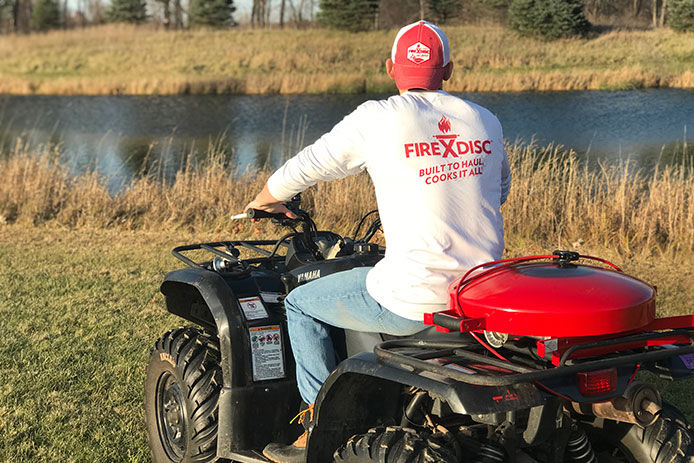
x,y
121,59
560,200
555,200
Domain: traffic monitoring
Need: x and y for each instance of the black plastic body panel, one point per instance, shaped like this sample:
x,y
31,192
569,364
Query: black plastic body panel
x,y
345,403
209,299
671,368
314,270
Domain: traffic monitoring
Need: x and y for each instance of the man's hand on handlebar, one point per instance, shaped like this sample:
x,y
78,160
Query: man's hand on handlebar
x,y
268,203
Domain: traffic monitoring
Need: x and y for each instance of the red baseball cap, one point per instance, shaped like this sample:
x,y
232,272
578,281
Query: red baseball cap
x,y
420,54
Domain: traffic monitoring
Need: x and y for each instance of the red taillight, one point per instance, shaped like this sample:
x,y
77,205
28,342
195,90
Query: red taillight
x,y
598,382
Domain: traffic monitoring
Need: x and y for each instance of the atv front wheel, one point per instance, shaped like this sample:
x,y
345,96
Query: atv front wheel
x,y
394,445
667,440
181,394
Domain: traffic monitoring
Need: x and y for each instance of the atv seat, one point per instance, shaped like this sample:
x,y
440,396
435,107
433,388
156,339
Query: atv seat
x,y
428,334
365,342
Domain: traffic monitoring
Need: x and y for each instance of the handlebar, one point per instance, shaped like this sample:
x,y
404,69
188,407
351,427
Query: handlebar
x,y
308,230
258,214
308,226
303,244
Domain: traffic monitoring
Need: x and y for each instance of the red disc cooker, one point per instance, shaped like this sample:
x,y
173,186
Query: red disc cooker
x,y
555,298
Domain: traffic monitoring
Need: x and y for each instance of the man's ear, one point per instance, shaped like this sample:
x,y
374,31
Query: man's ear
x,y
448,70
389,68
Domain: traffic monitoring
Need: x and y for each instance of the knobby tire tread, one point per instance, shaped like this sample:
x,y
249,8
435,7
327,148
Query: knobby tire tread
x,y
667,440
394,445
197,358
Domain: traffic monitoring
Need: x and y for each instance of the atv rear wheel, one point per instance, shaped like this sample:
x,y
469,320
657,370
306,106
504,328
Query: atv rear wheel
x,y
668,440
394,445
181,394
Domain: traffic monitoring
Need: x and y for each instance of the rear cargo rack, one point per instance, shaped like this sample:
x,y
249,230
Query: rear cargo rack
x,y
455,361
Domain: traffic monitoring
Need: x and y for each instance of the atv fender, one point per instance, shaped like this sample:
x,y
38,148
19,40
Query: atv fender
x,y
363,392
205,298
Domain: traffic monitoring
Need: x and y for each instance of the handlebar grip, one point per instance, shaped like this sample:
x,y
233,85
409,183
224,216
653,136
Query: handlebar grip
x,y
452,323
258,214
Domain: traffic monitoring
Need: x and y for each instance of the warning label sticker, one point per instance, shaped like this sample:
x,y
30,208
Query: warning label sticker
x,y
252,308
266,352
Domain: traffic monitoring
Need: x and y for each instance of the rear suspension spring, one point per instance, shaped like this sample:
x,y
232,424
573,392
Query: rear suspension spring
x,y
579,449
490,454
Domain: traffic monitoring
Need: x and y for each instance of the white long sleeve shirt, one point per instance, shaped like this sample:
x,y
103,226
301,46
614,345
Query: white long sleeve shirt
x,y
441,174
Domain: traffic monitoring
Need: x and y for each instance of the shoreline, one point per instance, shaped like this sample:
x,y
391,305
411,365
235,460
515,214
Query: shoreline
x,y
128,60
476,83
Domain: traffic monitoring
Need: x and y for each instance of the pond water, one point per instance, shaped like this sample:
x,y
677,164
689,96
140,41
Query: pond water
x,y
123,136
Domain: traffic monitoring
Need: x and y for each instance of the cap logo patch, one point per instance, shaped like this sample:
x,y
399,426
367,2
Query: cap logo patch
x,y
418,53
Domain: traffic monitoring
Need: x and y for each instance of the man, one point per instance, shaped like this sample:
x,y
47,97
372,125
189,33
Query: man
x,y
440,173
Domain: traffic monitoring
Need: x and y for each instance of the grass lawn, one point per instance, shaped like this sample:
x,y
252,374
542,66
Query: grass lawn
x,y
79,310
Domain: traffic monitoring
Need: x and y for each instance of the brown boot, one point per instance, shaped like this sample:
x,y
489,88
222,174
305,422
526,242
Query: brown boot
x,y
296,452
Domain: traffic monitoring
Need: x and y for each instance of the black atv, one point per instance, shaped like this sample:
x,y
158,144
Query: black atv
x,y
464,390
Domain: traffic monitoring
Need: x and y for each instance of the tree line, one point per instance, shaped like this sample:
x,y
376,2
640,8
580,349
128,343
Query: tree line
x,y
549,19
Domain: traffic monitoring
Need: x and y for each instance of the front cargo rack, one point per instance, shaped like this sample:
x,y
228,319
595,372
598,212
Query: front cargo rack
x,y
231,251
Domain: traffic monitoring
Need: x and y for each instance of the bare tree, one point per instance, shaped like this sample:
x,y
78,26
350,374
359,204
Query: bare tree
x,y
95,11
259,13
297,12
594,7
637,4
15,15
282,13
166,7
21,13
178,14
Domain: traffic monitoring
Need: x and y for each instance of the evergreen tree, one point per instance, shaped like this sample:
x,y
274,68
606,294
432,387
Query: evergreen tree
x,y
351,15
681,15
212,13
443,10
550,19
127,11
45,16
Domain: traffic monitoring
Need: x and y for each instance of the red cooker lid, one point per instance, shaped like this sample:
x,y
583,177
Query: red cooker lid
x,y
548,299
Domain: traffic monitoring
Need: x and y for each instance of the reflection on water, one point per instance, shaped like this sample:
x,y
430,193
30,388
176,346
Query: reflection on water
x,y
126,136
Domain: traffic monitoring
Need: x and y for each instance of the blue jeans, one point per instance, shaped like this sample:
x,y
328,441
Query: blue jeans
x,y
339,300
